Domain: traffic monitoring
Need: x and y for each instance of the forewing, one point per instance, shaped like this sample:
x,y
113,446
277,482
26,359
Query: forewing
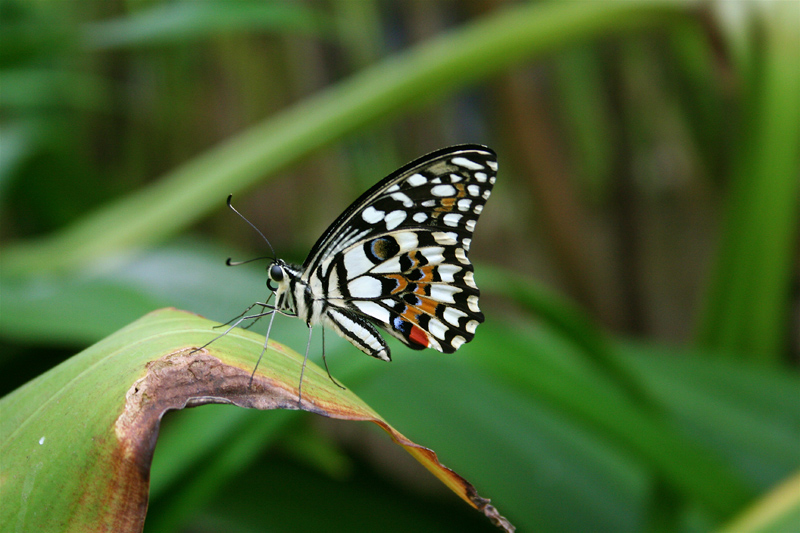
x,y
465,172
399,255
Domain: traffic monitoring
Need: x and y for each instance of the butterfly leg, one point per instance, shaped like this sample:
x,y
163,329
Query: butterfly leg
x,y
251,324
266,341
239,321
326,362
303,369
264,306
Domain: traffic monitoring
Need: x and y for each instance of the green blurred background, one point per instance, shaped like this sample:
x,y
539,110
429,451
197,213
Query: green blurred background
x,y
637,370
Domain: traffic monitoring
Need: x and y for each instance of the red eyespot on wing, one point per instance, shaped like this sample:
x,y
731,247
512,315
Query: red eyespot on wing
x,y
418,336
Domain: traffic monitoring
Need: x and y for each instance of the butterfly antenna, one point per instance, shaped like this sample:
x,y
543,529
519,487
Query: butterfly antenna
x,y
230,196
231,263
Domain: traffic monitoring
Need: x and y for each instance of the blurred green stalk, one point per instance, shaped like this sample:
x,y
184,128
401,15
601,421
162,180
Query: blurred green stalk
x,y
748,304
405,81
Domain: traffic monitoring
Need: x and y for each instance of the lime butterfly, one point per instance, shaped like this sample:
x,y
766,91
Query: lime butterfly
x,y
396,259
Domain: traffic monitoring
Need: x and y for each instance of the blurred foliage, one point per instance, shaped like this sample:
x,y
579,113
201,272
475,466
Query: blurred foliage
x,y
638,367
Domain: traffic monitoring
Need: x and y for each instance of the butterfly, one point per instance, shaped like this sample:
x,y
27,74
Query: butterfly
x,y
396,259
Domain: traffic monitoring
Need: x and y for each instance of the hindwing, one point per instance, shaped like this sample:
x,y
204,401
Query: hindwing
x,y
398,255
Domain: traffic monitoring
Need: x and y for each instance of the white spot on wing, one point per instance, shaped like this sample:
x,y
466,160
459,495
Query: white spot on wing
x,y
378,312
356,262
436,328
443,190
478,209
443,293
470,225
428,203
372,215
390,266
333,284
473,189
365,287
447,272
452,316
407,240
472,303
469,280
420,217
446,238
463,204
466,163
466,243
457,342
472,325
433,254
481,177
403,198
415,180
492,165
461,255
451,219
433,343
394,219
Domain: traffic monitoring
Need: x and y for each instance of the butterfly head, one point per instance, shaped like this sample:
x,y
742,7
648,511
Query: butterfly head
x,y
277,278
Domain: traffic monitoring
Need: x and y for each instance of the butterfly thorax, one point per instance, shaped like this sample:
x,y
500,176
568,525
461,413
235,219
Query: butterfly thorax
x,y
294,293
282,279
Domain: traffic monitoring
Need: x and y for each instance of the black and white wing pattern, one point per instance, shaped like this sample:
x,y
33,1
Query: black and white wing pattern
x,y
397,257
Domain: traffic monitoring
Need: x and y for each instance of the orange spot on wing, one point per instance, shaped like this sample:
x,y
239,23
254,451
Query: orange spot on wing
x,y
427,271
411,314
446,205
412,255
427,305
402,282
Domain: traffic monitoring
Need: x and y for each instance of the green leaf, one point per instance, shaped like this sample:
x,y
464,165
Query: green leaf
x,y
86,430
552,369
776,512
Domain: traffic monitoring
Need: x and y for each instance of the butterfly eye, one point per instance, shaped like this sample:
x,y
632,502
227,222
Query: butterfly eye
x,y
276,273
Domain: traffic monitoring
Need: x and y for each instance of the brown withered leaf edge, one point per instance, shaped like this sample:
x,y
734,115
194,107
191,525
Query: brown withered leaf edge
x,y
178,380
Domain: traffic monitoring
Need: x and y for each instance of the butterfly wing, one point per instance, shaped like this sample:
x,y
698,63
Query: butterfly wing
x,y
398,255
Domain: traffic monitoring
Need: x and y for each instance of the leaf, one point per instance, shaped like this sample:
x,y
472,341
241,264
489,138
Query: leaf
x,y
86,430
748,304
191,21
778,511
